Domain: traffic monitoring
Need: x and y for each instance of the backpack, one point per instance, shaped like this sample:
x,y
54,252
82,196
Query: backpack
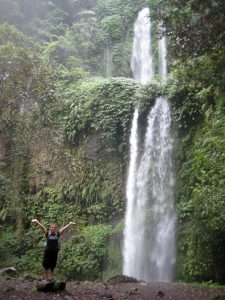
x,y
52,241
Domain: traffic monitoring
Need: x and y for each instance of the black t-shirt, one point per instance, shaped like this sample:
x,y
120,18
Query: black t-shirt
x,y
52,242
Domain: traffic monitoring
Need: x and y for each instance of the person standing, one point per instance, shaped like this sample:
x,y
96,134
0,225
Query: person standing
x,y
52,247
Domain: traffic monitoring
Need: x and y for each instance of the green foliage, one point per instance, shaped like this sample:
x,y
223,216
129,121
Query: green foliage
x,y
196,92
28,108
68,76
193,27
121,55
47,205
105,107
96,186
186,108
7,245
13,248
83,256
146,95
115,257
27,103
113,27
98,212
26,84
127,9
5,194
201,206
74,43
195,87
10,34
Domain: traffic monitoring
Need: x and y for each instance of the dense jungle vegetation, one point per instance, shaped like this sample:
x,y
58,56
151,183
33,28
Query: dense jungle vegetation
x,y
66,106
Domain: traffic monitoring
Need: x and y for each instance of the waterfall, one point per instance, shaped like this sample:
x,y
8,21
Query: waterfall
x,y
162,54
162,57
129,251
149,234
141,60
142,68
107,61
154,198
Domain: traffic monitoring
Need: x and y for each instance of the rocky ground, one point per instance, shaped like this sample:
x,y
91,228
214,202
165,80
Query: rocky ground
x,y
23,288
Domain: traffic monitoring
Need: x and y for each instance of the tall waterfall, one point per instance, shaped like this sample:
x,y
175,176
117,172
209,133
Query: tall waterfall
x,y
149,234
141,65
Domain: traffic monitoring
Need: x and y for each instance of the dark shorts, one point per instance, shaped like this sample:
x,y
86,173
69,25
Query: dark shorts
x,y
50,259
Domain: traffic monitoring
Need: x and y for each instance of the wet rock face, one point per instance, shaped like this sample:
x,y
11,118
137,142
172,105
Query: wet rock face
x,y
11,271
93,147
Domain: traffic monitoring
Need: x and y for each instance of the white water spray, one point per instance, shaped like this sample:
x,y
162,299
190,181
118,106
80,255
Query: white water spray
x,y
141,60
141,65
108,61
162,53
149,234
154,182
162,57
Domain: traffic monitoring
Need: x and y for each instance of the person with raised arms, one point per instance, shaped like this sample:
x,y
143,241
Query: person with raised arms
x,y
52,247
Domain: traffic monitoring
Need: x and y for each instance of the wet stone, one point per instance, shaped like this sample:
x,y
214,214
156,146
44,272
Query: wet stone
x,y
51,286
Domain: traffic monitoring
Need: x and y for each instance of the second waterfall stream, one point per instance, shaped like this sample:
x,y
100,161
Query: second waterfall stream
x,y
150,221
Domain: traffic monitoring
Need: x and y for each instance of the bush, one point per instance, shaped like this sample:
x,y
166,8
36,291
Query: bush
x,y
83,257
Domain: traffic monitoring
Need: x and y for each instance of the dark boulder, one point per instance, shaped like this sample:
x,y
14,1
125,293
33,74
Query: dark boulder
x,y
11,271
121,279
51,286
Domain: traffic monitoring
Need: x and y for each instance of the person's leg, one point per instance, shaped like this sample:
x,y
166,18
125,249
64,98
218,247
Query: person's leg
x,y
46,273
52,274
54,256
45,264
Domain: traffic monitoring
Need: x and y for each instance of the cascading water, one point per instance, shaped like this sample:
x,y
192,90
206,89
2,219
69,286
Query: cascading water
x,y
141,60
141,65
162,57
154,184
108,61
149,234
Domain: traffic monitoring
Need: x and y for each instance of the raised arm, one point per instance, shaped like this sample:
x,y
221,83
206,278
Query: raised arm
x,y
66,226
42,227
